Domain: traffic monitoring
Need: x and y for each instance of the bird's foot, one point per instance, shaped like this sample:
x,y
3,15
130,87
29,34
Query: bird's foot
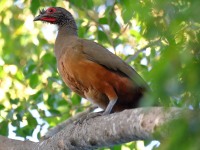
x,y
88,116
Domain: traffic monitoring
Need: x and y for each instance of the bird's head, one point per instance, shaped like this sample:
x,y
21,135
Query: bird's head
x,y
56,15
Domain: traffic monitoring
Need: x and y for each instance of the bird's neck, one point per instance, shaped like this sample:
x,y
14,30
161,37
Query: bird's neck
x,y
66,35
68,29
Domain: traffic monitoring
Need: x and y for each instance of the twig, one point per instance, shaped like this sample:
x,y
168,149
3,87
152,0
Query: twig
x,y
102,27
132,57
123,30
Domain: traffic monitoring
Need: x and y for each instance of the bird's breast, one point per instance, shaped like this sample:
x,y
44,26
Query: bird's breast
x,y
68,67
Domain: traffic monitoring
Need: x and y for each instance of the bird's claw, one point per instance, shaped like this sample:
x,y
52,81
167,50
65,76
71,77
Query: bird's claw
x,y
87,117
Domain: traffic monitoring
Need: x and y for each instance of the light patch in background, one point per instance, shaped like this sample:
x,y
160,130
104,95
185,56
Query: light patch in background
x,y
101,9
6,83
2,93
29,23
191,107
121,49
19,3
144,61
83,101
110,2
34,135
111,49
126,50
152,145
44,128
148,51
10,69
135,26
140,145
12,134
29,91
38,129
1,62
49,32
43,107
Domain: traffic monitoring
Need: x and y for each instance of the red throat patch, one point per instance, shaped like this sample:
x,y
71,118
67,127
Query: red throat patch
x,y
48,19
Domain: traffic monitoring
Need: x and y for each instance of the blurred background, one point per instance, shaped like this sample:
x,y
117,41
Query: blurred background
x,y
158,38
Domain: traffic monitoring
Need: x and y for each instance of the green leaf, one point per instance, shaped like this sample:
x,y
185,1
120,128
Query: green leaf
x,y
35,4
128,10
53,2
103,20
117,41
115,26
14,101
10,114
136,34
76,99
81,32
20,115
37,97
89,4
15,123
83,3
32,122
117,147
54,112
51,100
102,37
4,128
127,15
34,81
49,61
49,58
2,107
78,3
29,68
63,103
24,131
19,75
20,112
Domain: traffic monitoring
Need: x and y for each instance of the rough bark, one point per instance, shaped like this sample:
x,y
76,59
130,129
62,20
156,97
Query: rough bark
x,y
10,144
102,131
65,123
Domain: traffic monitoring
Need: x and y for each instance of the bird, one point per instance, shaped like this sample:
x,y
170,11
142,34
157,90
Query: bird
x,y
91,70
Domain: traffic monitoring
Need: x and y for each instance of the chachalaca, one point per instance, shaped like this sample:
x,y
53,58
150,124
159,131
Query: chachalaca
x,y
89,69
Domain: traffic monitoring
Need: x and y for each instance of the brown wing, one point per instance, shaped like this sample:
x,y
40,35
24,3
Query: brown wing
x,y
102,56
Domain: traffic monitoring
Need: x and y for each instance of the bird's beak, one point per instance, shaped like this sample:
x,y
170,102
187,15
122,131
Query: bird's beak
x,y
39,17
45,17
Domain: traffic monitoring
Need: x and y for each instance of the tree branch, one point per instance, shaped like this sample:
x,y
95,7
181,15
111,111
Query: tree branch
x,y
104,131
64,124
10,144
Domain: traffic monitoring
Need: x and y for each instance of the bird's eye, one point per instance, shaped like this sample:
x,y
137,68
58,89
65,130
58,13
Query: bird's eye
x,y
51,10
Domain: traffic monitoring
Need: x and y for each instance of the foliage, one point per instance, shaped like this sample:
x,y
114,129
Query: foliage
x,y
159,38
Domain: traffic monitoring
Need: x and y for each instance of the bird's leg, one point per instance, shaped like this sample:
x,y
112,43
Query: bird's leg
x,y
109,107
95,114
112,96
106,112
